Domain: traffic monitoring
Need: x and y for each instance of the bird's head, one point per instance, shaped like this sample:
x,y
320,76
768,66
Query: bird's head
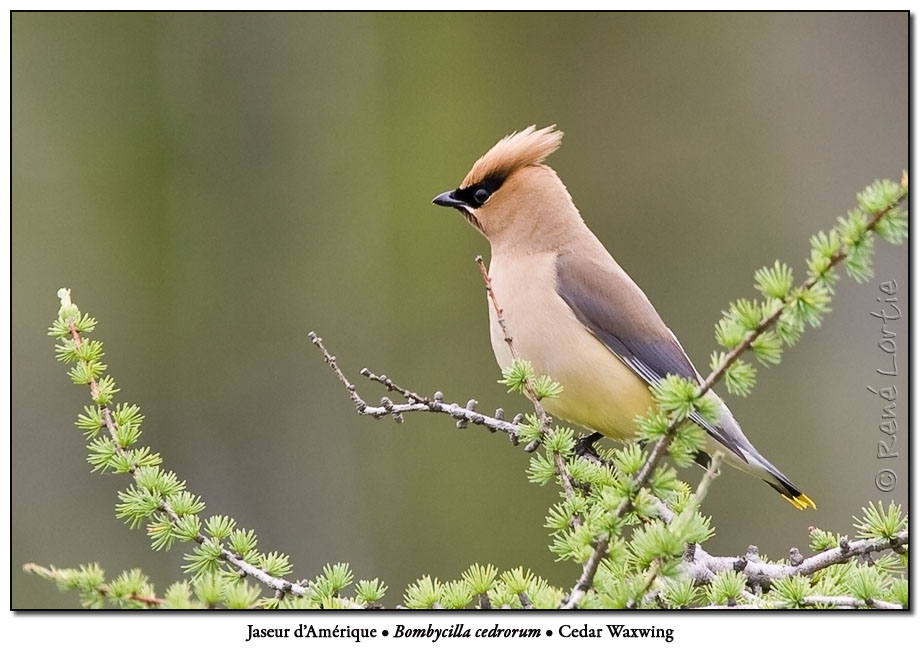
x,y
510,194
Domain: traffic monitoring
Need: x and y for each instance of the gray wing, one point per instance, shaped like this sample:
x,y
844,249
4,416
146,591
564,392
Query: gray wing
x,y
610,305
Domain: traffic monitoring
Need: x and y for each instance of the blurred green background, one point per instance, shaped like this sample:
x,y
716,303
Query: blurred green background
x,y
214,186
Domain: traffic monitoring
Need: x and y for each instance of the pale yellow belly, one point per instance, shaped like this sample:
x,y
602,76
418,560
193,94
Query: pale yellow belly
x,y
599,393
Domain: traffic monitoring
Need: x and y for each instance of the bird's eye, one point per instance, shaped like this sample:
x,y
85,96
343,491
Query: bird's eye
x,y
481,195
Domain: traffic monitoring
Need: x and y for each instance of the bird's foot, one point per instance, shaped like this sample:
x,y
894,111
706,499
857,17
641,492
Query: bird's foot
x,y
585,446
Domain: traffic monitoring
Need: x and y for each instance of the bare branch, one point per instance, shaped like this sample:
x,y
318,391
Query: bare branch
x,y
415,403
702,567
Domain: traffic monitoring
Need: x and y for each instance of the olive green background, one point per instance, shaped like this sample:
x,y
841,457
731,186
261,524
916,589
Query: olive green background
x,y
214,186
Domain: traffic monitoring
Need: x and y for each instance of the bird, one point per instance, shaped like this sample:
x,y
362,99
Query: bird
x,y
573,312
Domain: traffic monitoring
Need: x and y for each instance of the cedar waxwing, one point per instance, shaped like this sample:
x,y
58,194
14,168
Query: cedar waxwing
x,y
572,311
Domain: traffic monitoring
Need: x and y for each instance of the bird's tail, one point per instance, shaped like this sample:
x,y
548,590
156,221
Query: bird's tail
x,y
775,478
759,466
789,492
744,456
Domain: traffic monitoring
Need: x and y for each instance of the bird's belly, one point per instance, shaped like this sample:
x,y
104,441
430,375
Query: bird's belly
x,y
603,397
600,393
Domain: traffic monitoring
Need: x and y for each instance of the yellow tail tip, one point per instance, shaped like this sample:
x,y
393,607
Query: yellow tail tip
x,y
801,502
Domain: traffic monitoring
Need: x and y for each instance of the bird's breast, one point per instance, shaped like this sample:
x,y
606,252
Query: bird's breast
x,y
599,391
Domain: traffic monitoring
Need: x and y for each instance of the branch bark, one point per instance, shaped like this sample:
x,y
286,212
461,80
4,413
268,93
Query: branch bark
x,y
702,567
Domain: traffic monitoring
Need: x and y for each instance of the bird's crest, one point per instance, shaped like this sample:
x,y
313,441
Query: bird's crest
x,y
522,149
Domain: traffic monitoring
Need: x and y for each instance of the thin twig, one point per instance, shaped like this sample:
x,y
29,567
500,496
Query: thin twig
x,y
545,420
277,584
416,403
103,589
689,509
771,318
388,383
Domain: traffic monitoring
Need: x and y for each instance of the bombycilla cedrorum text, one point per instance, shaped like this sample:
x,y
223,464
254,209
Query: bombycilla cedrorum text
x,y
571,309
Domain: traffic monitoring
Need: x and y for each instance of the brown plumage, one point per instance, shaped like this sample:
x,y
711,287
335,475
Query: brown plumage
x,y
524,149
573,312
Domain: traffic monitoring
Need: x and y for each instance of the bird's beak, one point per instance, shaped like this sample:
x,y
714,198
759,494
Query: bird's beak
x,y
447,200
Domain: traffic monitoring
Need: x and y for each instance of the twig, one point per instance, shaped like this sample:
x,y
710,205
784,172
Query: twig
x,y
412,396
699,494
745,344
544,418
279,585
416,403
103,589
771,318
